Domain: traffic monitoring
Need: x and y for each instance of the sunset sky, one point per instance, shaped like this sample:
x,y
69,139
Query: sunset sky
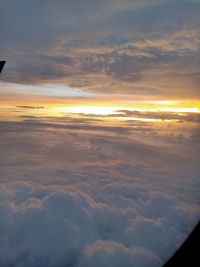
x,y
132,54
99,131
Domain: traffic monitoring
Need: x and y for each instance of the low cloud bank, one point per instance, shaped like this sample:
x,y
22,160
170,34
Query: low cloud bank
x,y
62,226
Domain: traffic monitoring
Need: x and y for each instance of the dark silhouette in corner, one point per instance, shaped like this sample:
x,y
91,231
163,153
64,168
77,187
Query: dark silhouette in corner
x,y
2,63
188,253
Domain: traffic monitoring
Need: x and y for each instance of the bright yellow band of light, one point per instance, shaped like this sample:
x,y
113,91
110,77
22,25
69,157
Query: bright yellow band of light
x,y
101,107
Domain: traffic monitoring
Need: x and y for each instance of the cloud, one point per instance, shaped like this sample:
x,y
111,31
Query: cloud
x,y
184,117
79,197
30,107
121,51
165,12
56,226
80,124
109,253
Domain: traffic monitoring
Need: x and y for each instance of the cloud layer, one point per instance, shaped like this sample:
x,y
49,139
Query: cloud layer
x,y
89,198
141,48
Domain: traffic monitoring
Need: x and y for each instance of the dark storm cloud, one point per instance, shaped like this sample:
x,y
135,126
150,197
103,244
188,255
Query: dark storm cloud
x,y
104,46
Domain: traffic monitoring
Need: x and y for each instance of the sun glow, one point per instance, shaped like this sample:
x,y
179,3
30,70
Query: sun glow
x,y
89,110
106,109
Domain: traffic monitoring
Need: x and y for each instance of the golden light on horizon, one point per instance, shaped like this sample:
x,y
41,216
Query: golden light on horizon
x,y
96,110
180,109
104,108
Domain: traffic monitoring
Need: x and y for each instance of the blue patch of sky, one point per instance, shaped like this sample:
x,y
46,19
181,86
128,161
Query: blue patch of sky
x,y
51,90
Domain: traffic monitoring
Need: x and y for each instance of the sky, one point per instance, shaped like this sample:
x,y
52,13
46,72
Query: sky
x,y
99,131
